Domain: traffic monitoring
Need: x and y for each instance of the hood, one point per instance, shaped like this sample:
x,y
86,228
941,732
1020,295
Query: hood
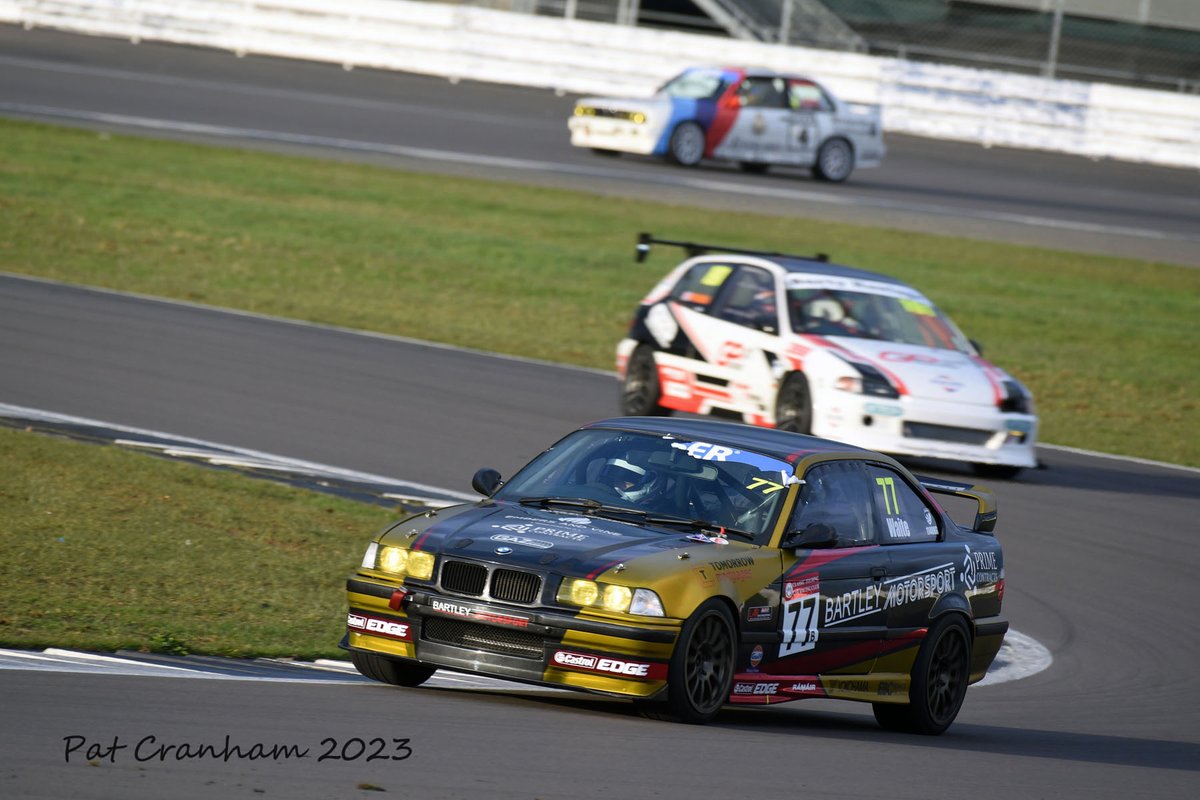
x,y
534,538
642,104
927,372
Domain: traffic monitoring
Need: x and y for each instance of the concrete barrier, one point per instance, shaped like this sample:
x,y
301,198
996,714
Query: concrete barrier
x,y
464,42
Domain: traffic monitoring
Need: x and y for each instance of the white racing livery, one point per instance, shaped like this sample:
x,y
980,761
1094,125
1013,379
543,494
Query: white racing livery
x,y
803,345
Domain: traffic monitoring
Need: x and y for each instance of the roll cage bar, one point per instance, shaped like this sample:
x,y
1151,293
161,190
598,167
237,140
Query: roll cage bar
x,y
646,239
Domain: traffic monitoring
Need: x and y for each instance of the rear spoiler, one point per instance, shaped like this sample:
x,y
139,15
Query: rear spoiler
x,y
985,517
697,249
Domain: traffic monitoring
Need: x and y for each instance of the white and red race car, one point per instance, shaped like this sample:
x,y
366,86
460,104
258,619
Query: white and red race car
x,y
800,344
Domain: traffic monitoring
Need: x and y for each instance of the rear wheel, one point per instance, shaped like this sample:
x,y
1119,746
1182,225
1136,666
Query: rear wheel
x,y
700,675
396,671
640,392
939,682
835,161
793,405
686,147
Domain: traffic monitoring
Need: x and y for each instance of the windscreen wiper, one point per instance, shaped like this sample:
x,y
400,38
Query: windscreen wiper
x,y
589,506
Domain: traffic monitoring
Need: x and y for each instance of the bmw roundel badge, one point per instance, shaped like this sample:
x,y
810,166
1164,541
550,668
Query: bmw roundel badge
x,y
503,551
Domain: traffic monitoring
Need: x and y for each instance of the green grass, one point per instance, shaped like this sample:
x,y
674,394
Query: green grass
x,y
1106,344
107,549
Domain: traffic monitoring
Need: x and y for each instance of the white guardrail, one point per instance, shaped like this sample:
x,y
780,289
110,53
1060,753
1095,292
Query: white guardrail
x,y
465,42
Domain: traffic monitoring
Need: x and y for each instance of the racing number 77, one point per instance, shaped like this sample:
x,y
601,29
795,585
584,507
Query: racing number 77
x,y
890,503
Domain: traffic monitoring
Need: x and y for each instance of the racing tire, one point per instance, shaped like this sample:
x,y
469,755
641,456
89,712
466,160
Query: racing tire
x,y
700,675
793,405
753,167
640,392
939,682
396,671
686,146
1004,472
835,161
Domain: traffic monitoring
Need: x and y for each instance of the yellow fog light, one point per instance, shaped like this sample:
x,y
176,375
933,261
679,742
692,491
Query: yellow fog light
x,y
616,598
393,559
637,117
420,564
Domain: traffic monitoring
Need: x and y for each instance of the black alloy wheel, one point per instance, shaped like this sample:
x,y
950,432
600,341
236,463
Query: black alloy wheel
x,y
640,392
939,682
793,405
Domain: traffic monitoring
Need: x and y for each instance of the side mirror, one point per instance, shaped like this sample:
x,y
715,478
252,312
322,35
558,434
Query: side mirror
x,y
815,536
978,347
486,481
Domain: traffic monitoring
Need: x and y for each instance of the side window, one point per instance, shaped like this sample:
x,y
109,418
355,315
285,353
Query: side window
x,y
750,300
700,285
906,517
761,93
838,494
807,96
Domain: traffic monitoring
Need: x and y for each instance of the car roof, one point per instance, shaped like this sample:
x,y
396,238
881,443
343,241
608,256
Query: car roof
x,y
786,446
807,266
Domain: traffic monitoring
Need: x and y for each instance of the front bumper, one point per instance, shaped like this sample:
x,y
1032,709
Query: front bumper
x,y
928,428
534,645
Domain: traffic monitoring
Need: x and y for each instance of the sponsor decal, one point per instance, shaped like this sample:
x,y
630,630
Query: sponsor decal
x,y
377,626
608,666
882,410
759,613
536,526
852,605
947,383
922,585
705,538
540,530
842,685
522,540
979,567
734,569
804,686
575,520
756,655
483,615
760,688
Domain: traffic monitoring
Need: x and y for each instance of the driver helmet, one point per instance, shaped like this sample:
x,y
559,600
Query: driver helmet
x,y
630,481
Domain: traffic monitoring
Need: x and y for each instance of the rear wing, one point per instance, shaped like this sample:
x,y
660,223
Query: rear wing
x,y
697,249
985,517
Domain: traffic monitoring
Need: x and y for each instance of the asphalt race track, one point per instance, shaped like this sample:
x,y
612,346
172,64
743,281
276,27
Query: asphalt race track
x,y
1101,553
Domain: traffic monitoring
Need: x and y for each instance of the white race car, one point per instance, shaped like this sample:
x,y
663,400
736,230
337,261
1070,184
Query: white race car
x,y
803,345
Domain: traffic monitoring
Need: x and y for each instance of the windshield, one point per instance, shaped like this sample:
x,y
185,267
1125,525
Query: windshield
x,y
667,479
695,84
870,310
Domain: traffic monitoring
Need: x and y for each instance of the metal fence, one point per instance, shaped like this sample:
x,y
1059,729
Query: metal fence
x,y
1150,43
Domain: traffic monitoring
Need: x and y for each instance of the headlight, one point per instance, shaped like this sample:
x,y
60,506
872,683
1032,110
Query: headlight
x,y
869,381
398,561
610,597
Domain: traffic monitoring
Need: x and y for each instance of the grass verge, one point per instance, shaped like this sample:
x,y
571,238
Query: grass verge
x,y
548,274
107,549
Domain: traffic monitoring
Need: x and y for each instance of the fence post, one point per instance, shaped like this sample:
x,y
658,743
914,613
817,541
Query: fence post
x,y
1055,35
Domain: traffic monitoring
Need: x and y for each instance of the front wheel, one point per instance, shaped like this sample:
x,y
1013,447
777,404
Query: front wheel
x,y
640,393
793,405
835,161
700,674
396,671
686,147
939,682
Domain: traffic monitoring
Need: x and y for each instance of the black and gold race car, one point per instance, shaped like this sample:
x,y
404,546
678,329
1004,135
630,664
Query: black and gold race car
x,y
690,564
